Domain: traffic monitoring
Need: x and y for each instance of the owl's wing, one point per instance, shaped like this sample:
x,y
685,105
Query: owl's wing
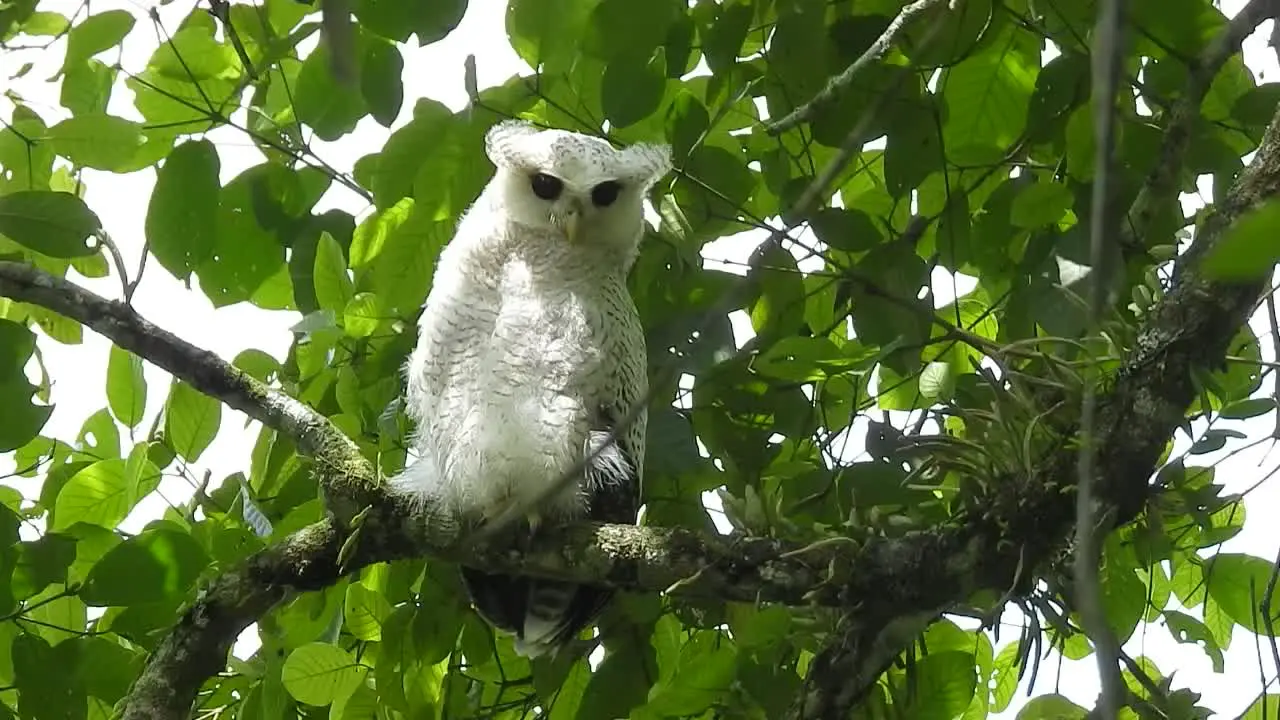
x,y
544,615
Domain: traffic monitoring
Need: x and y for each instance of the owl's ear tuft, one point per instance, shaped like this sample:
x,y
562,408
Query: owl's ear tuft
x,y
501,139
650,162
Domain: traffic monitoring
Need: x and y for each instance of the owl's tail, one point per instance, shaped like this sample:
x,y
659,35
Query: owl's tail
x,y
543,615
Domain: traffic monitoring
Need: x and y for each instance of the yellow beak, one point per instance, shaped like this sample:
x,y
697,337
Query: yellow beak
x,y
571,221
571,225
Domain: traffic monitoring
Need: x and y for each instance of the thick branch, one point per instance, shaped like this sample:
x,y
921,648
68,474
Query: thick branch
x,y
203,370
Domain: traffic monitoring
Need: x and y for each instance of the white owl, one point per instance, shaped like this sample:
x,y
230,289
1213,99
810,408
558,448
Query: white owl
x,y
529,352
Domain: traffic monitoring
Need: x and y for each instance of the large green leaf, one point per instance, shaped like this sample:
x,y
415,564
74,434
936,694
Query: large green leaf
x,y
182,216
538,30
99,141
96,33
159,564
320,673
22,419
191,420
52,223
99,494
126,387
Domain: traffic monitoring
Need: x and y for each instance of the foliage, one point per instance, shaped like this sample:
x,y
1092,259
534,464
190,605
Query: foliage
x,y
960,109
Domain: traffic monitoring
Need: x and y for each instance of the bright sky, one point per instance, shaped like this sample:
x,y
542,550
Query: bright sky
x,y
79,372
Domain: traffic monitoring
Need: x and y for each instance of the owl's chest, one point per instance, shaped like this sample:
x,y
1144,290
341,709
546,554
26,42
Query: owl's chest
x,y
506,334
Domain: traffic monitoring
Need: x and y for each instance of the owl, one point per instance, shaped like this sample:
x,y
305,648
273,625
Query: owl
x,y
529,355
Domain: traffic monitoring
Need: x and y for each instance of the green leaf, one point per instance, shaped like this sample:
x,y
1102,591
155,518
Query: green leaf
x,y
320,673
156,565
780,307
1237,584
194,55
364,612
1248,408
47,678
52,223
22,420
1249,248
432,20
1186,629
98,494
435,19
1040,204
986,96
98,32
191,421
797,359
945,683
86,87
371,235
633,87
42,562
759,627
362,315
402,272
380,81
849,230
715,184
126,386
246,254
707,666
623,28
723,39
332,283
48,24
1264,707
330,108
687,122
538,30
182,215
1052,706
99,141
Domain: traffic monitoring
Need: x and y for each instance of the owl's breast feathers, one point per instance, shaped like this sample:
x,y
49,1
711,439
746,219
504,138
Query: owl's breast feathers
x,y
520,358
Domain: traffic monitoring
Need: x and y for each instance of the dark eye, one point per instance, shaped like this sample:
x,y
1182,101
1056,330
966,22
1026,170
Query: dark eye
x,y
546,186
605,193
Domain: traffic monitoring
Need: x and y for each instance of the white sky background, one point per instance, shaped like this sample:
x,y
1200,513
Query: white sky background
x,y
436,71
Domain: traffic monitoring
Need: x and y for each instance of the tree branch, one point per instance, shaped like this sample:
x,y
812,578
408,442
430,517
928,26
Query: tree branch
x,y
840,82
1161,185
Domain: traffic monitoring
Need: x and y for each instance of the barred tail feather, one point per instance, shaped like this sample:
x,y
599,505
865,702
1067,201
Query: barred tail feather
x,y
543,615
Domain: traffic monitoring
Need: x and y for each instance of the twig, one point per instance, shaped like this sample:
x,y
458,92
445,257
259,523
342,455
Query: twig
x,y
1090,525
840,82
104,240
137,277
1265,606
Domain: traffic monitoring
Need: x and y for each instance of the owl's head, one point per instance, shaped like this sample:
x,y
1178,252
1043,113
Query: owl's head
x,y
577,186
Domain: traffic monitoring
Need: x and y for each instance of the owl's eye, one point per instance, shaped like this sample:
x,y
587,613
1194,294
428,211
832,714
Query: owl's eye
x,y
605,193
546,186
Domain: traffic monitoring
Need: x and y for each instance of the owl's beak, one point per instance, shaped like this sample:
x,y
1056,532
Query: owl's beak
x,y
571,220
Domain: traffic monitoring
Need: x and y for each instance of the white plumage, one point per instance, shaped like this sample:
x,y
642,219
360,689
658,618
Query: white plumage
x,y
529,352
